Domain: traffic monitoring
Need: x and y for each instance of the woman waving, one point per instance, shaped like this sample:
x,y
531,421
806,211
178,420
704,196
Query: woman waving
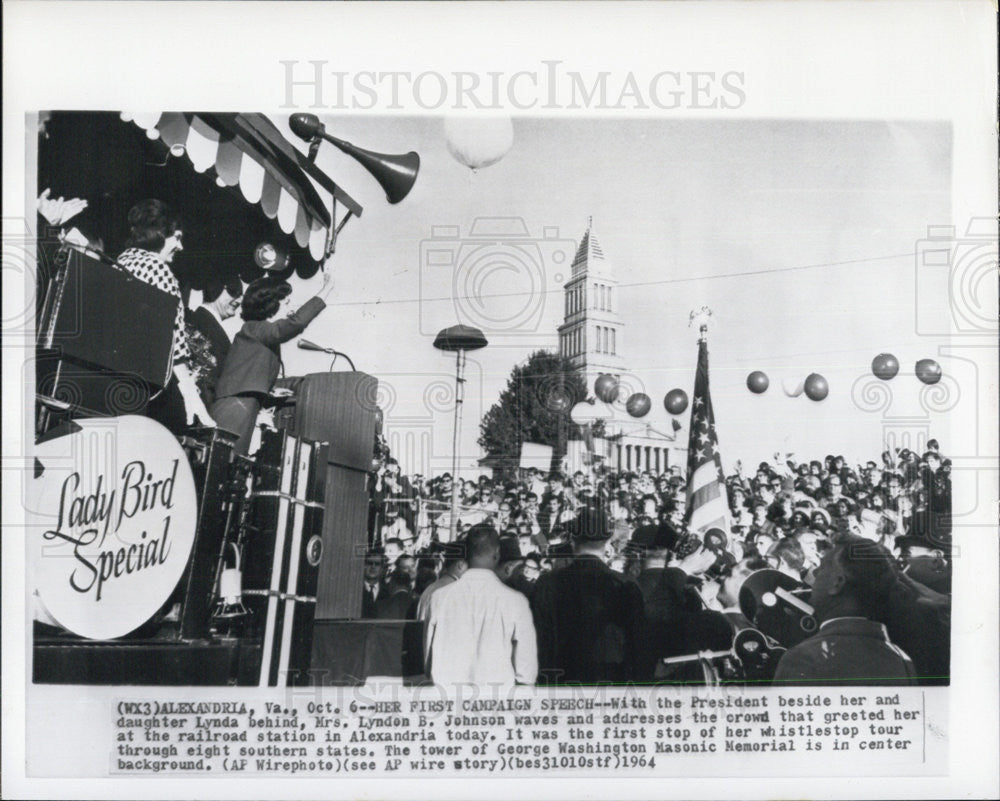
x,y
254,360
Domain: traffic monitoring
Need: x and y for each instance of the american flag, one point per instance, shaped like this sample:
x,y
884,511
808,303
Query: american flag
x,y
706,488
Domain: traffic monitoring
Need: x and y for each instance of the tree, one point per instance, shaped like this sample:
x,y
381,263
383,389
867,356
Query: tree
x,y
534,407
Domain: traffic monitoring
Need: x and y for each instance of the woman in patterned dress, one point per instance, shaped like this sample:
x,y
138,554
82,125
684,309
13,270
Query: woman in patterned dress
x,y
155,237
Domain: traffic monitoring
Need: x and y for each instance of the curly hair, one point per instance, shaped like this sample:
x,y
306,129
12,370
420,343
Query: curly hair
x,y
262,299
150,223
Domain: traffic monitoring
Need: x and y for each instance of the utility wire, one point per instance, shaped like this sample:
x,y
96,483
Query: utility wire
x,y
453,298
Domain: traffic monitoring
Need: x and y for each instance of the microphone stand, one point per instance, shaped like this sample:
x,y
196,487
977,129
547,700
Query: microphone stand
x,y
305,344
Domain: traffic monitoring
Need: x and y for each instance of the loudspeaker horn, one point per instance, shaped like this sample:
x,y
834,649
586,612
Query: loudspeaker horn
x,y
395,173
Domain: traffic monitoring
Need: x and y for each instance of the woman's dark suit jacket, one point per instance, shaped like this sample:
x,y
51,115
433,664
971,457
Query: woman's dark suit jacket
x,y
254,358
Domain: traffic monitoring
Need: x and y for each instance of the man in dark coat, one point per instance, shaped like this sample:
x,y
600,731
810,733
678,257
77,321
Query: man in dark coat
x,y
396,603
589,619
852,586
207,320
374,582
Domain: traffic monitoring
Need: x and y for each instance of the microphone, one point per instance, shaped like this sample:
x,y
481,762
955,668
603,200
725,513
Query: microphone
x,y
305,344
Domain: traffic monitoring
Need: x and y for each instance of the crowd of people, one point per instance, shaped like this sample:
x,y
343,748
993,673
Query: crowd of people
x,y
616,583
594,576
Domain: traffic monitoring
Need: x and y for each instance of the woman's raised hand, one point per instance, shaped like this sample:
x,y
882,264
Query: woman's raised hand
x,y
58,211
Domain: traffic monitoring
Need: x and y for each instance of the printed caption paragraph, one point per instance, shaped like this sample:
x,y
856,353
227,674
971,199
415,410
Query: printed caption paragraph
x,y
593,729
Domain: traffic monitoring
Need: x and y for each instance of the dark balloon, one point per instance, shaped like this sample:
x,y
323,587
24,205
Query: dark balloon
x,y
928,371
758,382
885,366
638,405
816,387
606,388
559,401
675,401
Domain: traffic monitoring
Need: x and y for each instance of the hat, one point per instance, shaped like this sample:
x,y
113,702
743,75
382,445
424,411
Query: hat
x,y
590,525
803,499
649,539
509,549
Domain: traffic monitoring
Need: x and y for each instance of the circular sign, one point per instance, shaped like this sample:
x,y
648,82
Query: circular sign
x,y
115,511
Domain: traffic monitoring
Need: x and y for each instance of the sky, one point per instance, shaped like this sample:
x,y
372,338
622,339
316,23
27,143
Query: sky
x,y
799,235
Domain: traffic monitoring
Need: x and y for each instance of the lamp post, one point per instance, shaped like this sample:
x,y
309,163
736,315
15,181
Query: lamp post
x,y
458,339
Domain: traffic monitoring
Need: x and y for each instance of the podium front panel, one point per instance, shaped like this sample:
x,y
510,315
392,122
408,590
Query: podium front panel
x,y
339,408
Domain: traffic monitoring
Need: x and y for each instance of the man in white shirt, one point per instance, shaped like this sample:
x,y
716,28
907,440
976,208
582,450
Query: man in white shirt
x,y
452,568
479,631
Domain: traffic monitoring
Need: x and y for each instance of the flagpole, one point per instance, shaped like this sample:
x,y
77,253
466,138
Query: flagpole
x,y
706,490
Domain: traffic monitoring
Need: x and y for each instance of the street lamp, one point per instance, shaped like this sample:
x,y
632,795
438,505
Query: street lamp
x,y
458,339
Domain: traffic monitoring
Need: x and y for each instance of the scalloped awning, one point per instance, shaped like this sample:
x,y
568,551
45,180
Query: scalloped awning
x,y
248,151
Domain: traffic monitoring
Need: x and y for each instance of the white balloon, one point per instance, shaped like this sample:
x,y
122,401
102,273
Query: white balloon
x,y
793,386
478,142
586,412
582,413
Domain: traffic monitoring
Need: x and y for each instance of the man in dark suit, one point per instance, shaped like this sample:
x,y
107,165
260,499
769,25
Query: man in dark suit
x,y
396,602
374,582
851,588
589,619
207,320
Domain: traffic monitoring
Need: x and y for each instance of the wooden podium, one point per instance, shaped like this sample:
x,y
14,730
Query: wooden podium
x,y
339,408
